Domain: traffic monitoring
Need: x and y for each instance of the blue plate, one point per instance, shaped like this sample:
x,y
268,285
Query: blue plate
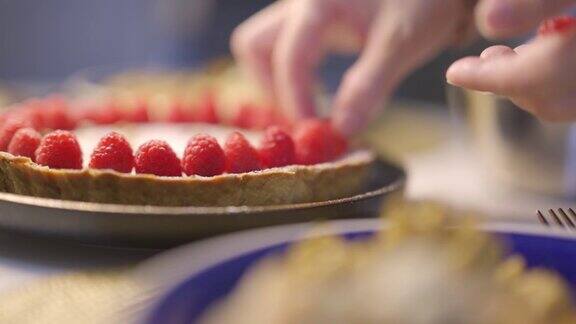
x,y
230,257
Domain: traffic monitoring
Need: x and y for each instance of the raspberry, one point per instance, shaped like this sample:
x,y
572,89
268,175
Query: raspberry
x,y
56,114
253,117
138,114
317,142
157,157
105,115
113,152
244,116
9,128
279,119
25,142
32,111
276,148
557,25
264,117
240,155
206,110
59,149
203,156
58,118
179,113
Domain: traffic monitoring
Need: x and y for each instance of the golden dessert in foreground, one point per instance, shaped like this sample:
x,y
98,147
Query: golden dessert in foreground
x,y
415,271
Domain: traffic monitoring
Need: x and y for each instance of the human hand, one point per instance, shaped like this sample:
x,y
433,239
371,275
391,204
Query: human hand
x,y
539,76
508,18
283,44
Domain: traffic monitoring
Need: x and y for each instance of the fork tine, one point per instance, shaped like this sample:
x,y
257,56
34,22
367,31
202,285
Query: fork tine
x,y
572,214
566,218
542,218
552,213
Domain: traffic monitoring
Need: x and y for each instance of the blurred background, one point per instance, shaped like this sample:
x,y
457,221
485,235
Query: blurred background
x,y
45,42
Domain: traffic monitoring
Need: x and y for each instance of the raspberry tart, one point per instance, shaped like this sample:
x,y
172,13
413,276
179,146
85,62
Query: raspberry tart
x,y
172,154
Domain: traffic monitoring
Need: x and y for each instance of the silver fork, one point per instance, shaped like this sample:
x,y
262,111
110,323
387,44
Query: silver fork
x,y
561,217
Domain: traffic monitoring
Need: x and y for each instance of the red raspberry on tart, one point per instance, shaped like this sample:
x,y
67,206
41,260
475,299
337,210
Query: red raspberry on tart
x,y
203,156
241,157
157,157
25,142
32,111
317,142
56,114
106,114
244,116
9,128
113,152
59,150
277,148
266,116
180,113
137,114
206,111
250,116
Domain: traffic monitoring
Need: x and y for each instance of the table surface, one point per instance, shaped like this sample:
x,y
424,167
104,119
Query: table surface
x,y
439,167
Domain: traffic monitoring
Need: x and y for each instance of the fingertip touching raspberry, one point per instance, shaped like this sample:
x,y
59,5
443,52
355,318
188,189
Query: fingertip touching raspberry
x,y
317,142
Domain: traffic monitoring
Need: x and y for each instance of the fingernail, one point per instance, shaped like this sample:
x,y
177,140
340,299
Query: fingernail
x,y
459,69
460,66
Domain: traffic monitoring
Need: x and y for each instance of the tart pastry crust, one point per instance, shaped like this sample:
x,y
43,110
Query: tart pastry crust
x,y
276,186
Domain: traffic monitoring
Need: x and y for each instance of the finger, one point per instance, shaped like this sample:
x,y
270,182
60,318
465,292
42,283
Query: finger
x,y
520,49
484,75
506,18
253,41
389,56
496,51
296,54
528,74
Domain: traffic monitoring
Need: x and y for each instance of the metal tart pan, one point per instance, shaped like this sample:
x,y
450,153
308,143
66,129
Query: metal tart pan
x,y
163,227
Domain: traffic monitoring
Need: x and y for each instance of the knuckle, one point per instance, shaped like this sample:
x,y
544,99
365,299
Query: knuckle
x,y
361,82
238,41
243,42
517,87
358,82
546,111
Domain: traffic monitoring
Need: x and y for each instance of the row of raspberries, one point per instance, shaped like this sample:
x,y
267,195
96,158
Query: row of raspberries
x,y
313,141
55,112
